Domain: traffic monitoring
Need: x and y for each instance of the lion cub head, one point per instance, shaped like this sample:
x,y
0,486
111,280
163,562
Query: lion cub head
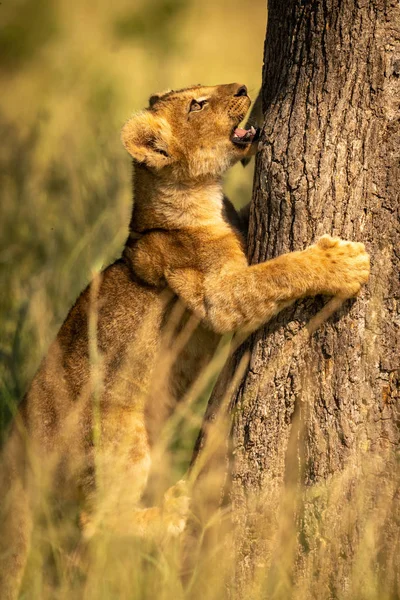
x,y
193,132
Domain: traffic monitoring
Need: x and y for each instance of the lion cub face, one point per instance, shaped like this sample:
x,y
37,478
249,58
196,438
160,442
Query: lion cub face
x,y
192,132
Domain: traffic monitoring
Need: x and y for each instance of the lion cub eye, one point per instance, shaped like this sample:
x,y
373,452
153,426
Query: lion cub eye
x,y
197,105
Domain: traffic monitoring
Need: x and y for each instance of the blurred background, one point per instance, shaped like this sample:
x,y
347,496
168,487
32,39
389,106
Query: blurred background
x,y
71,73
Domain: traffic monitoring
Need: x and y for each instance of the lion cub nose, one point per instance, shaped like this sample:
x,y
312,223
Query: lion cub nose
x,y
242,91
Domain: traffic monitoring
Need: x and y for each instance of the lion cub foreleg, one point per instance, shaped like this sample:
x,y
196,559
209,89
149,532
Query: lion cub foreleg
x,y
235,296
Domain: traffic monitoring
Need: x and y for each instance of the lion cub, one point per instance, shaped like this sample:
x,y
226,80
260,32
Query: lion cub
x,y
96,406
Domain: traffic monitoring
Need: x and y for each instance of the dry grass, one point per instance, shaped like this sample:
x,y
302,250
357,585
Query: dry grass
x,y
345,529
65,202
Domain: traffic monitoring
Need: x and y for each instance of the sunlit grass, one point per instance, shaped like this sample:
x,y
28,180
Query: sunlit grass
x,y
71,74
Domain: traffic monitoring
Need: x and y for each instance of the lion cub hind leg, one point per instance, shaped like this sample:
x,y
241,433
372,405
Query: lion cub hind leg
x,y
122,463
16,518
154,523
16,527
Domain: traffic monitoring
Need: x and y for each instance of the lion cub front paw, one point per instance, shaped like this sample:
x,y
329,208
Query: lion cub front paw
x,y
176,508
346,264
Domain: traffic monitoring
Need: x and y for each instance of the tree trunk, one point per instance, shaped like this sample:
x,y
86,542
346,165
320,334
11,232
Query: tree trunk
x,y
315,484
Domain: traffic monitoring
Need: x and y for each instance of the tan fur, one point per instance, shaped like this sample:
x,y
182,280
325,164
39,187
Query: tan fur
x,y
100,398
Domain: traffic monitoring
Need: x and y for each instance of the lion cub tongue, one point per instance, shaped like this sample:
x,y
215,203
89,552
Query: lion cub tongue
x,y
239,132
244,135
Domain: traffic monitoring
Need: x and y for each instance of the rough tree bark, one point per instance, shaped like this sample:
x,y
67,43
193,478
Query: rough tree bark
x,y
312,410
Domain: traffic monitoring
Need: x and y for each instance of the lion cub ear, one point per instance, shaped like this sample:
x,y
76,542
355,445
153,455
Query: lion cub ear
x,y
147,138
